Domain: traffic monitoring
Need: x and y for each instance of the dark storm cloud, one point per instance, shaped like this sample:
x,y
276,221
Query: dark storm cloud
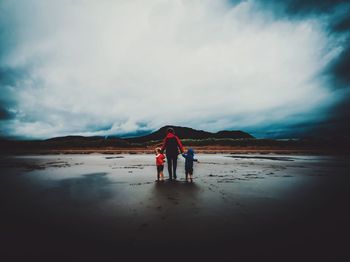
x,y
4,114
342,25
302,7
8,85
341,117
9,76
335,13
312,6
341,69
336,16
6,102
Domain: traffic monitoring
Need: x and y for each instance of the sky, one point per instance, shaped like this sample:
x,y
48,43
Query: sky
x,y
100,67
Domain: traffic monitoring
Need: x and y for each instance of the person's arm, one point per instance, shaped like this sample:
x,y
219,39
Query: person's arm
x,y
179,144
164,144
184,155
196,160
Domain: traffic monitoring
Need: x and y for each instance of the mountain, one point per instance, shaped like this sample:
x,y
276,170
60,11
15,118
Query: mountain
x,y
197,138
65,142
82,141
188,133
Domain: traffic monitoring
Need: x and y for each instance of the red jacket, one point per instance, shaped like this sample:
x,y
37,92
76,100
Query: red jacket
x,y
160,159
172,144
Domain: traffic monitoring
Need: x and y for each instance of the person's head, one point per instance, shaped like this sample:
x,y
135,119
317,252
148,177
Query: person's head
x,y
190,151
170,130
158,150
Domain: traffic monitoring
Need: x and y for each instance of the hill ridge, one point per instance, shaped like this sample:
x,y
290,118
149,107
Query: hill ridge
x,y
189,133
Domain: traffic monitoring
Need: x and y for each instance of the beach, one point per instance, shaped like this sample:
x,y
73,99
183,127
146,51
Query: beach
x,y
99,207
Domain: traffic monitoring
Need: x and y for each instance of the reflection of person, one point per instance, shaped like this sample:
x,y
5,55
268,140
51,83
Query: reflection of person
x,y
160,164
189,156
172,145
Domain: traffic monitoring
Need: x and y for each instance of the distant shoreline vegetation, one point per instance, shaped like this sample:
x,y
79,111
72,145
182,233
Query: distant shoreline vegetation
x,y
199,139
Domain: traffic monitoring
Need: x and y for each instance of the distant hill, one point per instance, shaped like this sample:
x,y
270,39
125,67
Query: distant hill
x,y
72,142
188,133
191,137
82,141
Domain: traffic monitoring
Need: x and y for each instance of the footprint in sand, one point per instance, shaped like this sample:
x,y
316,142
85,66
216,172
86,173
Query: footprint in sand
x,y
210,189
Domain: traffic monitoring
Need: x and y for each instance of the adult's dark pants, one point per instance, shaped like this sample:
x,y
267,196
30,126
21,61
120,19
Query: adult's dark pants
x,y
172,163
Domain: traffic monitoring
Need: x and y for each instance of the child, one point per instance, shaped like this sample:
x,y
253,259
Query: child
x,y
189,156
160,164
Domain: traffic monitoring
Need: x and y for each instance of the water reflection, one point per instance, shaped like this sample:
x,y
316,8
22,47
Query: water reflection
x,y
176,192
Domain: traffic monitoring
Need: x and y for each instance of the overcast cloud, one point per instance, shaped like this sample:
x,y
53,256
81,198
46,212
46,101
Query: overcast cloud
x,y
118,67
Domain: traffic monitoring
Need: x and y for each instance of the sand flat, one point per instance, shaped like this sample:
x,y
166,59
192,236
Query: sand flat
x,y
107,206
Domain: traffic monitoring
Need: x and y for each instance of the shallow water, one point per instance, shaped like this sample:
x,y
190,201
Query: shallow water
x,y
106,205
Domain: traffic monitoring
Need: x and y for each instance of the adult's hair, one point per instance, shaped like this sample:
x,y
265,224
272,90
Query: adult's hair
x,y
170,130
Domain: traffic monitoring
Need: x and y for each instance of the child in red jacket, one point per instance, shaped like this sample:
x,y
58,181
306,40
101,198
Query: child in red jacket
x,y
160,164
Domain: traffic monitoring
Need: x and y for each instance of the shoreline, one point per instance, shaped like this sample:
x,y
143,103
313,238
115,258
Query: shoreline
x,y
201,150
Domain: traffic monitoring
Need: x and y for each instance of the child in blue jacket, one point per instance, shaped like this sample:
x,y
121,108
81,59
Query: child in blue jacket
x,y
189,156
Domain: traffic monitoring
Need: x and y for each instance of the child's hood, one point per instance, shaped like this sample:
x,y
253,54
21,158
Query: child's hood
x,y
190,151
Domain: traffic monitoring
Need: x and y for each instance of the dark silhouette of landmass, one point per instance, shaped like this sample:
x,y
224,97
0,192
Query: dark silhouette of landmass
x,y
188,133
235,141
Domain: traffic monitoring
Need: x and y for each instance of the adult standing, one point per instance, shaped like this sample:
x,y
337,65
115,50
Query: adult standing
x,y
172,146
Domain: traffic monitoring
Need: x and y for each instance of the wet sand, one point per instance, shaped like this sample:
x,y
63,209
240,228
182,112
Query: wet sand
x,y
109,207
